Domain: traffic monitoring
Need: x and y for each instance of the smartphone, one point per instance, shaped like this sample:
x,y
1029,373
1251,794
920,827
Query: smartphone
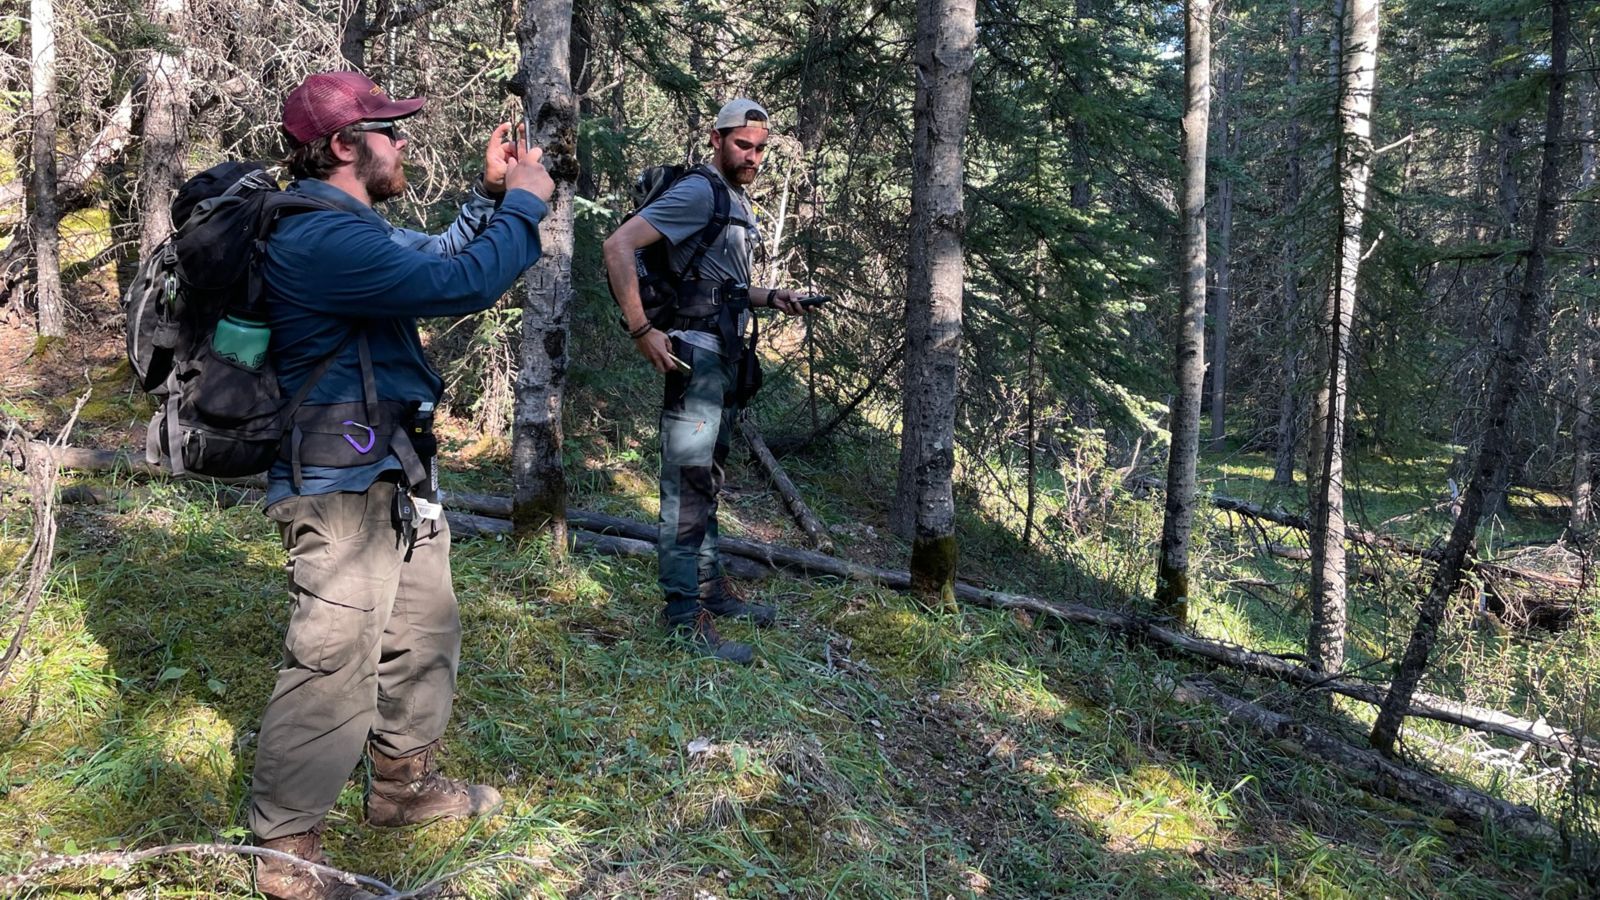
x,y
682,366
814,300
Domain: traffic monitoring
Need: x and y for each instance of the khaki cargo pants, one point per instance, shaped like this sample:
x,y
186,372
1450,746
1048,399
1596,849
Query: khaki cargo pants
x,y
371,652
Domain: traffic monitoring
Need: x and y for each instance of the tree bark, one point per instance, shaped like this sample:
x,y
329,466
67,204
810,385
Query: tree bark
x,y
45,221
1288,396
581,61
946,48
1510,368
1585,231
544,37
353,32
1353,159
1228,88
1172,574
166,120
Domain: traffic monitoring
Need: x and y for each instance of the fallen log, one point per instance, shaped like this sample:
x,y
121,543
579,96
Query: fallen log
x,y
1368,766
1441,709
1390,542
467,525
803,516
87,460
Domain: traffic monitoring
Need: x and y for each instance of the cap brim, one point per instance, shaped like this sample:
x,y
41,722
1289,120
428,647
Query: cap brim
x,y
397,109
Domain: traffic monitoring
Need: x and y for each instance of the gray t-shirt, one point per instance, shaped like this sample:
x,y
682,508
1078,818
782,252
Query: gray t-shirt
x,y
681,214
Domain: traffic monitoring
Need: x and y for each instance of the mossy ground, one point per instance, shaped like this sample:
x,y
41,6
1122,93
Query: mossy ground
x,y
879,748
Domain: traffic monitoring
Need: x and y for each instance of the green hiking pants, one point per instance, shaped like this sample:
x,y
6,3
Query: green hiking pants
x,y
697,418
371,652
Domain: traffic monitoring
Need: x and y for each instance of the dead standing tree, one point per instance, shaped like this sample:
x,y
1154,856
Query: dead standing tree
x,y
1177,526
544,81
924,506
1510,372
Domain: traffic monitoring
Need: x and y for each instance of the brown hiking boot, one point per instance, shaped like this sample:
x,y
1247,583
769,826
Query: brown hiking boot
x,y
409,790
283,880
720,598
699,632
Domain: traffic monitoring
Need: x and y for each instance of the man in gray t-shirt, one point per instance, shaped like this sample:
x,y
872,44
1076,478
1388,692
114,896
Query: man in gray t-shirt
x,y
699,355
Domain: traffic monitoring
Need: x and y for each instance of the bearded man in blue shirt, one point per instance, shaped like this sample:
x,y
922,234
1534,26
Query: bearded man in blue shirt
x,y
373,642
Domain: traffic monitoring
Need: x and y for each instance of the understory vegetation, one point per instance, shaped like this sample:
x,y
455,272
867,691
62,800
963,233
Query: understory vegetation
x,y
878,749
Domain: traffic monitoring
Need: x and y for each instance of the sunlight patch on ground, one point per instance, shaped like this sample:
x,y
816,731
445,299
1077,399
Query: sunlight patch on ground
x,y
900,642
1148,808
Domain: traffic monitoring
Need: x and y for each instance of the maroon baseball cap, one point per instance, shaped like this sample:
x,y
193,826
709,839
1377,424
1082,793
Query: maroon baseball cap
x,y
328,101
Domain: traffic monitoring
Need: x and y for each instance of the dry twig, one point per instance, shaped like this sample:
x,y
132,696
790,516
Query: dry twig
x,y
17,608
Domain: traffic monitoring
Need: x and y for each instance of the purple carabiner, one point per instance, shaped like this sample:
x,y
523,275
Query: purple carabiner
x,y
372,437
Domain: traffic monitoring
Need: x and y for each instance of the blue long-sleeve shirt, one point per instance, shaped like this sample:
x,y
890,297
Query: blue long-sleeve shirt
x,y
330,273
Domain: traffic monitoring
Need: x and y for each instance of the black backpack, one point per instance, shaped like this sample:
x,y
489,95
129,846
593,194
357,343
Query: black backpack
x,y
659,286
216,417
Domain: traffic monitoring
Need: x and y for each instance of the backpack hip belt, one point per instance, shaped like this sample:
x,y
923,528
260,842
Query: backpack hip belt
x,y
713,308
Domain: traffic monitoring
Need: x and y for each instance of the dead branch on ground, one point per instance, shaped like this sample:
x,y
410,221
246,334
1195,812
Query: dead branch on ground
x,y
17,608
803,516
125,859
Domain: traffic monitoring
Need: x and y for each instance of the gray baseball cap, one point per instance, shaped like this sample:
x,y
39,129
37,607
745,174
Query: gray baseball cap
x,y
741,112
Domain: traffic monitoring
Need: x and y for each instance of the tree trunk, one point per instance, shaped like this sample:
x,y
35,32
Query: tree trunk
x,y
45,221
544,36
353,32
1510,367
166,120
1222,276
946,48
1172,574
1353,158
1081,193
1583,372
104,148
581,60
1288,397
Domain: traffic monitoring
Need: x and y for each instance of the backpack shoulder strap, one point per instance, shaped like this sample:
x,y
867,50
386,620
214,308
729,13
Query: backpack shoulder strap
x,y
719,219
270,208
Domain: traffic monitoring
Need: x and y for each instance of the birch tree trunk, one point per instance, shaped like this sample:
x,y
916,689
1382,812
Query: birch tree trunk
x,y
1172,573
1288,398
1353,159
166,120
1315,433
946,51
1585,232
45,221
1510,368
540,497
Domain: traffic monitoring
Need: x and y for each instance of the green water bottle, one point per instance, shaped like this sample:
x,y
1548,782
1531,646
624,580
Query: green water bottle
x,y
242,340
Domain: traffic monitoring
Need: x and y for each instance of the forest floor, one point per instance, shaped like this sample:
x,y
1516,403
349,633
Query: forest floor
x,y
876,749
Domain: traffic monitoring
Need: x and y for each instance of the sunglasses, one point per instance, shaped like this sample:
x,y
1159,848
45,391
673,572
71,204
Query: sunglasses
x,y
388,129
